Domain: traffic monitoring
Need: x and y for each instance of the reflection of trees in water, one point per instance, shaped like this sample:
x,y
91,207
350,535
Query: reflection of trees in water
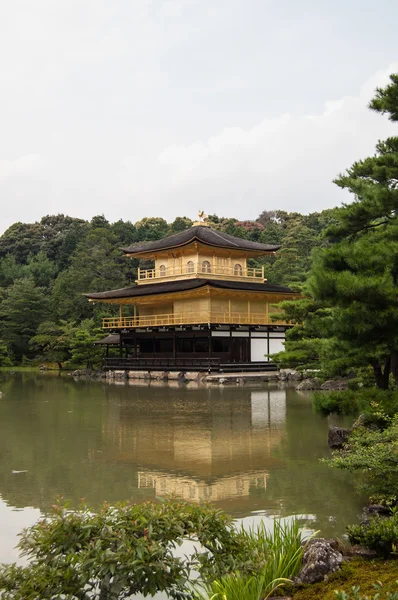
x,y
304,485
245,448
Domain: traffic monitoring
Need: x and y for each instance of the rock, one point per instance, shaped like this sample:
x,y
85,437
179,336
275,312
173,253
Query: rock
x,y
76,373
1,394
138,374
312,383
120,374
158,375
191,375
43,368
222,380
334,384
320,558
377,509
338,436
361,551
290,375
175,375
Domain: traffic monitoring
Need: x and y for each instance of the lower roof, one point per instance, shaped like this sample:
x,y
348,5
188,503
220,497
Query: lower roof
x,y
188,284
112,339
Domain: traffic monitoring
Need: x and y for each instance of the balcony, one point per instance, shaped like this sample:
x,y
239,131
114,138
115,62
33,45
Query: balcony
x,y
193,270
189,318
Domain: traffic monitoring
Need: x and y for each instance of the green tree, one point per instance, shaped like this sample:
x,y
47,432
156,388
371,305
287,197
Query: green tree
x,y
96,265
22,310
355,275
42,269
11,270
5,359
151,228
52,342
358,273
83,352
180,224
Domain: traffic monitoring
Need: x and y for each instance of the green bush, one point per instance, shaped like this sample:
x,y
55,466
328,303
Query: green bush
x,y
373,455
371,402
379,533
128,549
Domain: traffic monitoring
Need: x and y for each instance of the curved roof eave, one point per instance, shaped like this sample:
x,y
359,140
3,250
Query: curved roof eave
x,y
204,235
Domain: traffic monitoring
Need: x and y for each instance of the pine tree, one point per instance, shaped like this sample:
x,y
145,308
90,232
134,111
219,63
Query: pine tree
x,y
355,276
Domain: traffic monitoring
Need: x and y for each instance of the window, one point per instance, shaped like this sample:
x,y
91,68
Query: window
x,y
164,346
206,267
185,345
146,346
202,345
238,269
162,271
190,267
220,345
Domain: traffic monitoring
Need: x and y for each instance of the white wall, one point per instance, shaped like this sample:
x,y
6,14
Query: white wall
x,y
259,347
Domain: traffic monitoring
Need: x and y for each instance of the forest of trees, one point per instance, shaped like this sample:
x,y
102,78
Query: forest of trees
x,y
45,268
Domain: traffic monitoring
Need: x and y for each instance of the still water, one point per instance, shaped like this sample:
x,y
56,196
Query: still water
x,y
253,451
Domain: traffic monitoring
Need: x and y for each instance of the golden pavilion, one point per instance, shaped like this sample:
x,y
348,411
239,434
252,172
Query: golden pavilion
x,y
199,307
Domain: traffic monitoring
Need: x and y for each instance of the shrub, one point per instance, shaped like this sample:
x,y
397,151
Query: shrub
x,y
128,549
370,402
379,533
373,455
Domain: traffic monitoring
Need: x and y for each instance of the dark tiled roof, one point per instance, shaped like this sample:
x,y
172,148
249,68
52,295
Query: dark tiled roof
x,y
206,235
187,284
114,338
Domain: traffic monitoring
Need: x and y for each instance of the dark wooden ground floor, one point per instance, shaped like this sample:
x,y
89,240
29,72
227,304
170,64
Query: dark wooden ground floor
x,y
197,347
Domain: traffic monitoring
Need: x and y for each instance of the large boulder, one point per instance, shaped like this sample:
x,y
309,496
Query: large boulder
x,y
338,436
312,383
334,384
320,558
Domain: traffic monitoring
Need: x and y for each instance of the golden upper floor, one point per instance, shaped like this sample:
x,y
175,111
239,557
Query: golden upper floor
x,y
200,251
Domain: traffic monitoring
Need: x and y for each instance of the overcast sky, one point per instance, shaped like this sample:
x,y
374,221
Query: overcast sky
x,y
136,108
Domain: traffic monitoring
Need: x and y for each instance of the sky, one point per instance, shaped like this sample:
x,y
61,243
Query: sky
x,y
134,108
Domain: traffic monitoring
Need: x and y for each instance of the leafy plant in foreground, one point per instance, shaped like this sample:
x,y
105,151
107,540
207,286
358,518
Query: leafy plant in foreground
x,y
278,556
128,549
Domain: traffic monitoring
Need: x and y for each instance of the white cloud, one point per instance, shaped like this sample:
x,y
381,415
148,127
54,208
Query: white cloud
x,y
288,162
158,107
32,164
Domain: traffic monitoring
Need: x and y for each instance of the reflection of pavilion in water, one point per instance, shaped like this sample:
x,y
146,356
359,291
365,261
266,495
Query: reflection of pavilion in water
x,y
197,490
199,449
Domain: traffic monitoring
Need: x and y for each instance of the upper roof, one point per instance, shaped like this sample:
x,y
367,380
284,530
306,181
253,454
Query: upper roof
x,y
188,284
205,235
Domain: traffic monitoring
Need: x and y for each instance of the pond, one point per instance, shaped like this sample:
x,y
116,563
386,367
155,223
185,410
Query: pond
x,y
252,451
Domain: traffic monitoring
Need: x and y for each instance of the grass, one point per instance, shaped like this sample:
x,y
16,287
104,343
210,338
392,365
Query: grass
x,y
19,369
279,552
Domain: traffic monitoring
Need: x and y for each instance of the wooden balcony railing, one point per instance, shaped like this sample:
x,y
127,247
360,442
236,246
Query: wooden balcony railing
x,y
194,270
189,318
